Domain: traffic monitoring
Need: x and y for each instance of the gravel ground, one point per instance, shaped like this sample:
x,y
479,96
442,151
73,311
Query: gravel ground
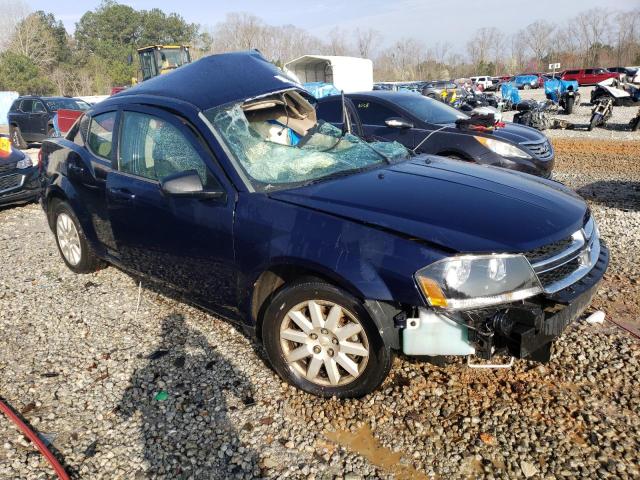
x,y
617,128
165,390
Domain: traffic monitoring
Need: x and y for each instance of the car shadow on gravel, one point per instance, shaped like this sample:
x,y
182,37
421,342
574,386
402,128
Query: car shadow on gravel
x,y
181,399
618,194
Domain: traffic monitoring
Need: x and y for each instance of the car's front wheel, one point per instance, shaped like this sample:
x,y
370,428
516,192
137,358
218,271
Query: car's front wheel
x,y
321,339
72,243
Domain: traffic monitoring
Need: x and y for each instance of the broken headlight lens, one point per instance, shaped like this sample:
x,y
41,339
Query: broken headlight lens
x,y
502,148
476,281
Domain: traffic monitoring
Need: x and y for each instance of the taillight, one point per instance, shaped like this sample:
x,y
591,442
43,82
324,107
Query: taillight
x,y
40,159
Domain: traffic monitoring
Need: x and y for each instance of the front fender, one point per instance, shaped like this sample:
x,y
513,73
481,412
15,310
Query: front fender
x,y
371,263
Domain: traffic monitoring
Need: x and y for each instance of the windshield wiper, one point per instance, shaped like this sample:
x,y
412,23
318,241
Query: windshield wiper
x,y
338,174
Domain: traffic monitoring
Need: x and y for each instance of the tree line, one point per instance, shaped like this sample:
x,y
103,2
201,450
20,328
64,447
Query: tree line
x,y
37,54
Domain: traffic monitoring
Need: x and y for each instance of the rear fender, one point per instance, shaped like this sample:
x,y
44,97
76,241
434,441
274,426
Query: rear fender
x,y
62,189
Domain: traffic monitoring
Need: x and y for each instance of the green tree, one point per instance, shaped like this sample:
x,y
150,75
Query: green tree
x,y
58,33
159,28
19,73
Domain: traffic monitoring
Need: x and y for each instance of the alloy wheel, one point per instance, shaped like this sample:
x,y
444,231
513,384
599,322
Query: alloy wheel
x,y
68,239
324,342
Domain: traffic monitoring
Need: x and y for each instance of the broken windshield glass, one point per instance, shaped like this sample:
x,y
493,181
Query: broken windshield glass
x,y
274,154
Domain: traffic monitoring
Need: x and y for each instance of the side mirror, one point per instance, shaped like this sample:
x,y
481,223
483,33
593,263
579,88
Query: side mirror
x,y
397,122
188,184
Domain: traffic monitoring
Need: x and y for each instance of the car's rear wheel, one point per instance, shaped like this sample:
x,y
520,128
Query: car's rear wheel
x,y
16,137
71,240
320,339
526,86
569,105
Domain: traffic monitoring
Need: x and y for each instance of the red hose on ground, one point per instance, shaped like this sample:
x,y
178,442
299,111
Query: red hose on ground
x,y
62,475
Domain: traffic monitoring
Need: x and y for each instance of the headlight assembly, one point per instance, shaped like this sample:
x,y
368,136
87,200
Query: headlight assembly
x,y
503,149
476,281
24,163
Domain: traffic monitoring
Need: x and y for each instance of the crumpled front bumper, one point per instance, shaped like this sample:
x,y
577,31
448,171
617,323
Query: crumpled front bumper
x,y
523,330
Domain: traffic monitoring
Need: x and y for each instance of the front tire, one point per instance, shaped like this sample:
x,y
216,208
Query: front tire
x,y
72,243
321,339
16,137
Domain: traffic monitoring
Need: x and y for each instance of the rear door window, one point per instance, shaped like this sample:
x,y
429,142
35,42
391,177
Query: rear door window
x,y
100,137
373,113
26,106
572,72
153,148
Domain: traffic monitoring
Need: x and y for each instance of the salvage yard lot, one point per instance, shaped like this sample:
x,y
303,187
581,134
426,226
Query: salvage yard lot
x,y
89,367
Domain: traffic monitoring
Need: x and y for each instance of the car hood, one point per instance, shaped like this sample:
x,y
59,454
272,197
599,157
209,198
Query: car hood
x,y
517,133
457,206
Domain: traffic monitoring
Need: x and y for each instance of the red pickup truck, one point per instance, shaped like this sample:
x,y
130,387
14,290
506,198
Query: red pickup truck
x,y
589,76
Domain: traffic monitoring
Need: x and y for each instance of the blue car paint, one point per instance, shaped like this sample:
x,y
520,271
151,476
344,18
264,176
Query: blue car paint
x,y
369,232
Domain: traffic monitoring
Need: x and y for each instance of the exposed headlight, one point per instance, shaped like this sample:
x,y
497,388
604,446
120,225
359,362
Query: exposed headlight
x,y
24,163
502,148
476,281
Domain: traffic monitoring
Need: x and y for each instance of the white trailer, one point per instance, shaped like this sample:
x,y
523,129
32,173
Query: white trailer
x,y
350,74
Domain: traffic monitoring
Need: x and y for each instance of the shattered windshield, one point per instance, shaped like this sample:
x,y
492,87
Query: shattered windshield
x,y
275,155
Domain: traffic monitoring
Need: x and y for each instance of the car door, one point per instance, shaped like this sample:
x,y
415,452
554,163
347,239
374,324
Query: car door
x,y
39,120
182,242
24,119
373,115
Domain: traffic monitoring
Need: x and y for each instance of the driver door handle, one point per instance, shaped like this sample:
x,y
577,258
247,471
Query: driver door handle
x,y
121,195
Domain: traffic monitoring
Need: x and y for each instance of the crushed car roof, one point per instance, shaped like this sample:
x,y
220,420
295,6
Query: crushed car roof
x,y
217,80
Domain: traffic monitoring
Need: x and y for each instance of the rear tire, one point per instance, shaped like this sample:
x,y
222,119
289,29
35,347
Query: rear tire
x,y
306,342
16,137
72,243
568,109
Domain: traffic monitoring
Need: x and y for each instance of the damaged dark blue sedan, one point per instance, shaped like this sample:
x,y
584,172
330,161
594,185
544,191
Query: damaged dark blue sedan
x,y
217,180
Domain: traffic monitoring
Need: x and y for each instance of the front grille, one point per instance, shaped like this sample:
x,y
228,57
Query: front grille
x,y
564,262
548,251
7,167
552,276
10,182
541,150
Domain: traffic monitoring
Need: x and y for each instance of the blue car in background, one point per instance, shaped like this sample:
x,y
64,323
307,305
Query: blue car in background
x,y
217,181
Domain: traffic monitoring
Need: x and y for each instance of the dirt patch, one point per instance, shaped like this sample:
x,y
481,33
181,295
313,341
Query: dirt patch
x,y
364,443
609,157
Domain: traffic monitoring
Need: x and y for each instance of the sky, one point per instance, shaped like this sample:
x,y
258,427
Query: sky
x,y
429,21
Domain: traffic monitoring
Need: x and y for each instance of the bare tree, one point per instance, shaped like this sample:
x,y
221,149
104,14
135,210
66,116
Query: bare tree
x,y
367,41
480,46
337,43
591,29
32,38
13,12
538,37
627,36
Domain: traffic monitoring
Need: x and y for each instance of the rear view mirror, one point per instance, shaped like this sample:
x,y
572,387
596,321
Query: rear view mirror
x,y
188,184
397,122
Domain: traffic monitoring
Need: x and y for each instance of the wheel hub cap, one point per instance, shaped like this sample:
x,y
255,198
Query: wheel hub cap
x,y
68,239
324,342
